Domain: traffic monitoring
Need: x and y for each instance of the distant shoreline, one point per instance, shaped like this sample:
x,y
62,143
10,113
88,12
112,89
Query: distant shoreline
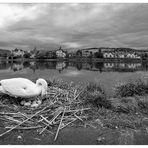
x,y
79,59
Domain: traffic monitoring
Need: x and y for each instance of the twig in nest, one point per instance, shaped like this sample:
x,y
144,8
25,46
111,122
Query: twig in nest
x,y
75,93
68,123
59,125
78,94
78,110
3,119
4,113
43,129
46,111
78,117
47,124
26,128
45,119
22,122
47,129
12,119
57,114
26,116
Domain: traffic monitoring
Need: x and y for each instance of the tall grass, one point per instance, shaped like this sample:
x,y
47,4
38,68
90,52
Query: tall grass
x,y
129,98
128,89
96,95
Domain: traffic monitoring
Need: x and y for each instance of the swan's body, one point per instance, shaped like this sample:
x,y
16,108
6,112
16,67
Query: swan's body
x,y
21,87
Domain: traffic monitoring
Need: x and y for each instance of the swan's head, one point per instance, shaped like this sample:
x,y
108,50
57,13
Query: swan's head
x,y
42,84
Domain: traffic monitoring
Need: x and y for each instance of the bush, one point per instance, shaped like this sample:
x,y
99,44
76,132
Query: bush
x,y
96,96
131,89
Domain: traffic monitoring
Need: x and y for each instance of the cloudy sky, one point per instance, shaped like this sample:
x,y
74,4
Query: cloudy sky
x,y
47,26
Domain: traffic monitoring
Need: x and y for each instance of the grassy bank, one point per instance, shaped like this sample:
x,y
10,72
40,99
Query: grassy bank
x,y
68,104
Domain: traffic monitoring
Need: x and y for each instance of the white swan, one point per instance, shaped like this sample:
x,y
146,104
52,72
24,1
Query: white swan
x,y
21,87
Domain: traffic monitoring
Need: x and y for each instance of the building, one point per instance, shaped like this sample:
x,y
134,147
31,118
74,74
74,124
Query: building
x,y
86,53
41,54
133,55
51,54
18,53
60,53
91,52
5,53
120,53
33,53
108,55
72,54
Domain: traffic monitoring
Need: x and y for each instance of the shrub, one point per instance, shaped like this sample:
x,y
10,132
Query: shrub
x,y
96,96
139,88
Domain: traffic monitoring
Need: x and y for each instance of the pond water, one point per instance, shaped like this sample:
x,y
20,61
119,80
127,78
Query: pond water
x,y
107,74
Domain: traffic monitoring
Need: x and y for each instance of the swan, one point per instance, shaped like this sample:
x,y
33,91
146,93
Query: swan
x,y
22,87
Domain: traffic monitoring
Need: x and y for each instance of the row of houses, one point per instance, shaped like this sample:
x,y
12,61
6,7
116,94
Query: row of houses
x,y
85,53
121,55
11,53
112,53
4,53
19,53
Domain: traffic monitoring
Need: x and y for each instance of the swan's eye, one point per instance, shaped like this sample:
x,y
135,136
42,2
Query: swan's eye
x,y
40,84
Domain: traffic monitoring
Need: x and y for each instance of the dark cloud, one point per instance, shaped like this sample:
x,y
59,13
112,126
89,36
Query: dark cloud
x,y
47,26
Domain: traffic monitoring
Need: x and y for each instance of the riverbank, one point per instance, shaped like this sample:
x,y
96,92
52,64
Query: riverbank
x,y
83,59
77,110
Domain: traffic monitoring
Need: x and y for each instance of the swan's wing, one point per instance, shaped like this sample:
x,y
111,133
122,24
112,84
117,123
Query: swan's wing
x,y
11,89
18,87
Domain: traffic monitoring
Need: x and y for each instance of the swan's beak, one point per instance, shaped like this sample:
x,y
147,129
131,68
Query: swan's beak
x,y
43,92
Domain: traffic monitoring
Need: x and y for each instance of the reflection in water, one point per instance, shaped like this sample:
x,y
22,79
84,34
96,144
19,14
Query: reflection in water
x,y
17,66
4,65
79,66
61,65
106,73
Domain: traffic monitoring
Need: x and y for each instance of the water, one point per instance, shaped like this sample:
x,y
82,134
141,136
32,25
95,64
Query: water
x,y
107,74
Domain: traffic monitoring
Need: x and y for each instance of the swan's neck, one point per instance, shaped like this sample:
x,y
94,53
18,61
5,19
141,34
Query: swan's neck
x,y
2,90
43,91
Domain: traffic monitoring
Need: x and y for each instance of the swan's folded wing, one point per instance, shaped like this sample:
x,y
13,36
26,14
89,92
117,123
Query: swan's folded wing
x,y
14,87
14,90
19,88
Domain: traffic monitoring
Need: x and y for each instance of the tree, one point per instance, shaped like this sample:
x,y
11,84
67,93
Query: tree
x,y
79,53
99,54
27,55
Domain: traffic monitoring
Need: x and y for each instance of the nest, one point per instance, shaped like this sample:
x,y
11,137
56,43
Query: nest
x,y
60,108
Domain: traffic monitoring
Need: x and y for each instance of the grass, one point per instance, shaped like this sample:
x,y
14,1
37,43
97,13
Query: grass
x,y
129,97
125,112
65,106
95,94
129,89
